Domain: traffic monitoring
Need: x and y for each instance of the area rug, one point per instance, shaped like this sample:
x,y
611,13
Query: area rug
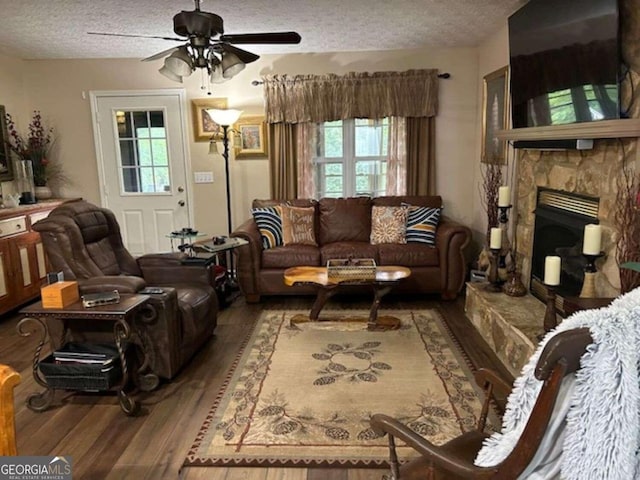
x,y
302,394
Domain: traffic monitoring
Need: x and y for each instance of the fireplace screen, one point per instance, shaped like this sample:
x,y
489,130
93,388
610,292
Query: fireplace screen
x,y
559,230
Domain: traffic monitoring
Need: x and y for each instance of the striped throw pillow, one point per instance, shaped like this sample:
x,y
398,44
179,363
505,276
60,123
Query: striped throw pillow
x,y
422,223
269,221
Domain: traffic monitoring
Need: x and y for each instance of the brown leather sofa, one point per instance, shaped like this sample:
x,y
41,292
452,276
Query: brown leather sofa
x,y
84,242
343,228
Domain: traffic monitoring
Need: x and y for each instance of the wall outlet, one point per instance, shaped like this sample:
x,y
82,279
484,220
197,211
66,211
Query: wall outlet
x,y
203,177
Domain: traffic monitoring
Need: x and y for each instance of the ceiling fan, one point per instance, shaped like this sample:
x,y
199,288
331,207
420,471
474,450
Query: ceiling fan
x,y
207,46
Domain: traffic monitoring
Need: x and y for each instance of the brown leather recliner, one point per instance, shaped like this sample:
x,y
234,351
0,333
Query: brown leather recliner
x,y
84,242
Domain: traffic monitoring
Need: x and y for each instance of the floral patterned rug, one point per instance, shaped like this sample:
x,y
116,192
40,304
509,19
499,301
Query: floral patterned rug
x,y
301,394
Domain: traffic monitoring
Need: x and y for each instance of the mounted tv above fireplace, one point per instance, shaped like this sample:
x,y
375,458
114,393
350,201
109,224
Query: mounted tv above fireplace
x,y
565,62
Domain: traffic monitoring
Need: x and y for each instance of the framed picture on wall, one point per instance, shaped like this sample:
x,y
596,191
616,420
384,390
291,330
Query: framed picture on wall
x,y
251,137
495,111
6,166
203,127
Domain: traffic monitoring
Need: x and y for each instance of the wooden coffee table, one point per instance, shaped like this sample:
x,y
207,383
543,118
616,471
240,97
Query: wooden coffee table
x,y
387,277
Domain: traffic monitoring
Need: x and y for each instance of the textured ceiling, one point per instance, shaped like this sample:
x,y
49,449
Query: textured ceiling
x,y
38,29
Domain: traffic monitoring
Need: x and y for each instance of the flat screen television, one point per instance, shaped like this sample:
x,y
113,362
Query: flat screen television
x,y
565,62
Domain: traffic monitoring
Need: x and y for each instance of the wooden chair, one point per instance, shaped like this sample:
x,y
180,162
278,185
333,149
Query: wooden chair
x,y
454,459
9,378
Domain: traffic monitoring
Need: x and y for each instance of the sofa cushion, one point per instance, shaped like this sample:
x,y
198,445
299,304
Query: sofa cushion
x,y
269,221
344,220
298,225
422,223
291,256
348,250
408,255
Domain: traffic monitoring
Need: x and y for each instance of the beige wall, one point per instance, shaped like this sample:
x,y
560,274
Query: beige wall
x,y
12,95
493,54
60,89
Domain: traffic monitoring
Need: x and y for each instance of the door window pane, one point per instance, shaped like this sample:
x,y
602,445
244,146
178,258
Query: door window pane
x,y
144,156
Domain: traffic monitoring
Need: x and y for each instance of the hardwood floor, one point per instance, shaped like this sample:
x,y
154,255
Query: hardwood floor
x,y
104,443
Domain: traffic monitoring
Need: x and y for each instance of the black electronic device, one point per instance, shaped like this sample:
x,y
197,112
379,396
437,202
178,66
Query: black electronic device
x,y
152,291
219,240
565,62
102,298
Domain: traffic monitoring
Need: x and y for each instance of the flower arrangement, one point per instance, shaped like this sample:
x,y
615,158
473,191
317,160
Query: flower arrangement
x,y
34,147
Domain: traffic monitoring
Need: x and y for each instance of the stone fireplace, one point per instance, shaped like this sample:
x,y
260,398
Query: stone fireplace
x,y
591,176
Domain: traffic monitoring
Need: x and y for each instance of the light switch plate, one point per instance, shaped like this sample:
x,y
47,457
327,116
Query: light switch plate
x,y
203,177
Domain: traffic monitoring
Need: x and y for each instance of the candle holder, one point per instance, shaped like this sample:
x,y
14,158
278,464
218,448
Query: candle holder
x,y
550,320
504,213
590,271
514,286
503,219
495,285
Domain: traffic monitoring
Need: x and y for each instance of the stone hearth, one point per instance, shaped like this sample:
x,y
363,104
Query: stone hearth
x,y
509,325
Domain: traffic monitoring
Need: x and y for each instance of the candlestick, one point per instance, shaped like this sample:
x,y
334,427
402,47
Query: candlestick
x,y
592,241
504,196
550,319
552,270
590,271
496,238
494,284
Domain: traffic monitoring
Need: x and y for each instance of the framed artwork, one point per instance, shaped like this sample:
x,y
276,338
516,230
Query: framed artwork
x,y
495,115
251,137
203,127
6,166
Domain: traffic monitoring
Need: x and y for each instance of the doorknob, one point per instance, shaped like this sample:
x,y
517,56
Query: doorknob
x,y
181,203
180,189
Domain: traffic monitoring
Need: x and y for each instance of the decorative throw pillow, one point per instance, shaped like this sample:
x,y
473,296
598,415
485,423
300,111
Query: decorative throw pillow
x,y
422,223
388,224
298,225
269,221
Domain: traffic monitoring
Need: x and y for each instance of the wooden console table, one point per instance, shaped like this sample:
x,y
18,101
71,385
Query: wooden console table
x,y
125,315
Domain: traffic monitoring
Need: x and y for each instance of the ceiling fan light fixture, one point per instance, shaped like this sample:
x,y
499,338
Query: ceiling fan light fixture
x,y
180,62
169,74
224,117
231,65
216,74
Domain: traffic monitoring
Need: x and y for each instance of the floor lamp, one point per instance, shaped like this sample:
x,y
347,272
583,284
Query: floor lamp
x,y
226,118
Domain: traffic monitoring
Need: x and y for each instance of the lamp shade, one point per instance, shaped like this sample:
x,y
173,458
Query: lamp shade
x,y
224,117
231,65
214,148
179,62
169,74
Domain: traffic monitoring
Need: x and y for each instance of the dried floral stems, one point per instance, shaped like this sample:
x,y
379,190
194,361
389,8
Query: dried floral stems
x,y
34,147
627,219
491,181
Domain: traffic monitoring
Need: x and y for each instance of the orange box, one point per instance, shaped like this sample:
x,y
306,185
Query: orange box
x,y
59,294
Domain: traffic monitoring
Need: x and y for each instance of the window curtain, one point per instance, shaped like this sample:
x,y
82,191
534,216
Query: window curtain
x,y
421,156
397,162
295,103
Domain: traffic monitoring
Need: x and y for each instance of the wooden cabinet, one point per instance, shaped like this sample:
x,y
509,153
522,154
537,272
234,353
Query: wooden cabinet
x,y
23,266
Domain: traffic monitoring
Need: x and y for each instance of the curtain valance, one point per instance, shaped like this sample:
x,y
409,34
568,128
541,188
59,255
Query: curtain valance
x,y
325,98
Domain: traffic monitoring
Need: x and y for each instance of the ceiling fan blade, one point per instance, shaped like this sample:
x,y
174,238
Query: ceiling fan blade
x,y
161,54
246,57
255,38
136,36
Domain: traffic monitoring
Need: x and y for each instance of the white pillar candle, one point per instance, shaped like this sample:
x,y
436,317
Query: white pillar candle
x,y
504,196
552,270
592,242
496,238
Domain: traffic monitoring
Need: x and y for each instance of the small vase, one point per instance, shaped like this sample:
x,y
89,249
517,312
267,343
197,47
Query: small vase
x,y
43,192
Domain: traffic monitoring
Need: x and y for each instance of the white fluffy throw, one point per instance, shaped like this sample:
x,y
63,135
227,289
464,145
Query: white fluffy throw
x,y
599,424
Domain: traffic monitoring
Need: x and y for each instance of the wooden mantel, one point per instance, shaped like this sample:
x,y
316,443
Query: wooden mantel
x,y
628,127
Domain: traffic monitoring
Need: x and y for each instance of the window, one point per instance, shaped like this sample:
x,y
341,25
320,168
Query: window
x,y
350,157
143,151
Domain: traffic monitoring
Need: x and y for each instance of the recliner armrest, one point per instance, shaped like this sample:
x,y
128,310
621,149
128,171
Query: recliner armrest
x,y
167,269
249,257
451,239
108,283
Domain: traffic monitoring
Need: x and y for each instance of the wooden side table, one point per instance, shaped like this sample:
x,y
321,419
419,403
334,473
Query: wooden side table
x,y
125,315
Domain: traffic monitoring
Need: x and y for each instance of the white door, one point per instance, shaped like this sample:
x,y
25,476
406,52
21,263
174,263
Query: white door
x,y
142,156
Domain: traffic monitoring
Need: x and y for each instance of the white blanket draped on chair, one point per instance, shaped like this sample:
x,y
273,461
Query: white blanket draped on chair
x,y
595,431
